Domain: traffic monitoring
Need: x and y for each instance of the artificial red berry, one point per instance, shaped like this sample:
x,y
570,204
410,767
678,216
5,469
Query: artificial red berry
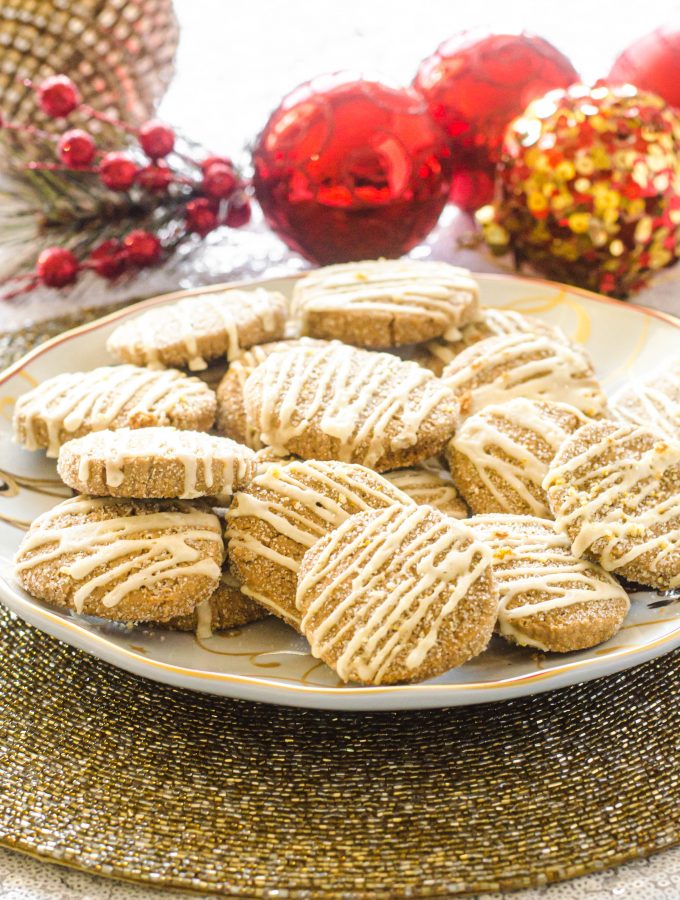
x,y
108,259
142,248
57,267
219,181
117,171
58,96
238,214
211,160
76,148
156,139
154,178
200,216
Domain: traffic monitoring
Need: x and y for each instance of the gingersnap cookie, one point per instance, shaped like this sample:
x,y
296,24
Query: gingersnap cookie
x,y
231,417
436,354
615,490
499,456
126,560
73,404
283,512
397,595
223,610
653,402
385,302
338,402
430,485
197,329
149,463
549,598
524,365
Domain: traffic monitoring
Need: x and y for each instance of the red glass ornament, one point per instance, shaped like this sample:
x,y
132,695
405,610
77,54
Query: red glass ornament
x,y
154,178
76,148
58,96
652,63
117,171
108,259
348,169
142,248
219,181
57,267
475,84
156,139
238,214
200,216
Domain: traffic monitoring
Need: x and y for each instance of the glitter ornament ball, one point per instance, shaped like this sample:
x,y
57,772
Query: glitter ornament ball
x,y
652,63
475,84
588,188
348,169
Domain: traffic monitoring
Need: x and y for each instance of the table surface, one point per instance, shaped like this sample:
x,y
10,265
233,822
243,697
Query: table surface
x,y
232,67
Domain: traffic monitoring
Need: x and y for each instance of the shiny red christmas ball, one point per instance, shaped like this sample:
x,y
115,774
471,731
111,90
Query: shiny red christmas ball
x,y
156,139
58,96
219,181
142,248
76,148
349,169
475,84
117,171
200,216
652,63
57,267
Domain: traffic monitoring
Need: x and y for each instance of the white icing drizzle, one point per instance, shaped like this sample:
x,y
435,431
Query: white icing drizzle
x,y
619,503
444,294
525,365
653,403
410,569
532,558
193,318
430,487
130,557
499,429
94,400
358,397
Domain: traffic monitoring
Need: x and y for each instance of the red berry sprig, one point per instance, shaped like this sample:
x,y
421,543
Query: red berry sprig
x,y
174,194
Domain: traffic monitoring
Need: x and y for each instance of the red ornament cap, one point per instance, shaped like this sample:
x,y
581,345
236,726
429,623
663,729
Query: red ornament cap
x,y
117,171
156,139
58,96
142,248
76,148
57,267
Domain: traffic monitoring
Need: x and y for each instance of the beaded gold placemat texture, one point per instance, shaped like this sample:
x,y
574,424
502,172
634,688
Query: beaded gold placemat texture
x,y
123,777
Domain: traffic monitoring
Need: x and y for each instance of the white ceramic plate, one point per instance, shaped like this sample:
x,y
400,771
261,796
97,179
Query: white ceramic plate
x,y
267,661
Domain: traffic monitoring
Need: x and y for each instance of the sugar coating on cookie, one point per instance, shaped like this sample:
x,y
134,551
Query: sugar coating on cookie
x,y
126,560
75,403
653,402
339,402
549,598
231,417
436,354
524,365
385,303
197,329
155,462
397,595
615,490
284,510
499,456
225,609
431,485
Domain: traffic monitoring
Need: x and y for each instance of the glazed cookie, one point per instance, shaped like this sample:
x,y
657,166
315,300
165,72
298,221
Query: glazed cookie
x,y
76,403
399,594
126,560
524,365
615,490
227,608
283,512
430,485
200,328
231,414
549,598
499,457
152,463
653,403
385,302
491,323
337,402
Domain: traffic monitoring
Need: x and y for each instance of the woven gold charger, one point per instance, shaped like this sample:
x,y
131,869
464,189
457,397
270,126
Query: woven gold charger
x,y
127,778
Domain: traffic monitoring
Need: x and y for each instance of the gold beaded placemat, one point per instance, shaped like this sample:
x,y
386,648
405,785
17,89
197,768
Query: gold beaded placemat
x,y
123,777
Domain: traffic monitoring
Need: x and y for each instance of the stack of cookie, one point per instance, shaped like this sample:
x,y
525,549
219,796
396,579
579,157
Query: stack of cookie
x,y
400,472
